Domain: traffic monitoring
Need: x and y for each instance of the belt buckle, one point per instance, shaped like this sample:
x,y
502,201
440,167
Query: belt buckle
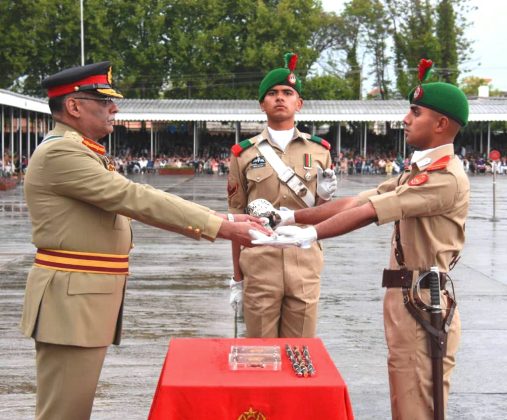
x,y
287,174
302,192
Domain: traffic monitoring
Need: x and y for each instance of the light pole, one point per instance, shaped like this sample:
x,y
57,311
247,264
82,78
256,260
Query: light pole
x,y
82,32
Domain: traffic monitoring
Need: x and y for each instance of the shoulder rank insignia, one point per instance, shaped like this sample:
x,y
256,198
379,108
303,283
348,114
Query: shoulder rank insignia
x,y
419,179
439,164
93,145
322,142
239,148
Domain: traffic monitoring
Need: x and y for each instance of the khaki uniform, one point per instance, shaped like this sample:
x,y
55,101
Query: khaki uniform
x,y
281,286
77,204
432,213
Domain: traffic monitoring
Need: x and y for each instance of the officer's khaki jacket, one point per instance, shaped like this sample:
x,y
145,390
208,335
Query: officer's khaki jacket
x,y
77,204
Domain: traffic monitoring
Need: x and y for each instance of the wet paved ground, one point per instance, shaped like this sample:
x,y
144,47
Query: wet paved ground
x,y
178,289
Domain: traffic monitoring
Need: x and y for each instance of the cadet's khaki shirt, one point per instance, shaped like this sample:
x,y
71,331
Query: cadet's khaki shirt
x,y
252,177
431,205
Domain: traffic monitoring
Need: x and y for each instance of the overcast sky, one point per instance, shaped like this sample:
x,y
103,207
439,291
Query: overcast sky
x,y
488,33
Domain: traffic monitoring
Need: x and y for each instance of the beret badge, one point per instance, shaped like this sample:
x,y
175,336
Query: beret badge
x,y
291,60
418,93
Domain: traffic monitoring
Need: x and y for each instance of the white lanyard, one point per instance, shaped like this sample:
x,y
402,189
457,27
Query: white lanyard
x,y
286,174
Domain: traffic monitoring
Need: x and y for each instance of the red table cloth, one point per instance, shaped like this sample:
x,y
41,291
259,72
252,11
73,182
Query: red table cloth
x,y
196,383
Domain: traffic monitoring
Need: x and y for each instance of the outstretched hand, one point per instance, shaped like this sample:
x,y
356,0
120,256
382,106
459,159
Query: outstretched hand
x,y
302,237
277,241
284,217
239,231
326,183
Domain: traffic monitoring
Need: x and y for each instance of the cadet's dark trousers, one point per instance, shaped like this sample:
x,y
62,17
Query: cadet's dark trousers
x,y
67,378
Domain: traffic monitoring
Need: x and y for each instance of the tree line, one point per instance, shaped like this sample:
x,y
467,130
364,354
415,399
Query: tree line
x,y
221,49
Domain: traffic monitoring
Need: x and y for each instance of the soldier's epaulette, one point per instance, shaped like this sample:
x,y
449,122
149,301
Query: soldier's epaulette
x,y
239,148
322,142
439,164
94,146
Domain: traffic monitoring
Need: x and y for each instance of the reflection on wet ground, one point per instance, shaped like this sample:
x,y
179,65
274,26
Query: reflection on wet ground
x,y
178,288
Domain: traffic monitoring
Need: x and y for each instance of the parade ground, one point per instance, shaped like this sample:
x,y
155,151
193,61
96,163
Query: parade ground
x,y
179,288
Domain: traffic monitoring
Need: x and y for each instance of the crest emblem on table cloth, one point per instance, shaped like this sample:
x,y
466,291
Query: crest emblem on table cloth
x,y
251,414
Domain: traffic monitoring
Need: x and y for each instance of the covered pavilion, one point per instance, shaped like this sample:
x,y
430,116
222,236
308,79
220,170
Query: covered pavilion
x,y
25,119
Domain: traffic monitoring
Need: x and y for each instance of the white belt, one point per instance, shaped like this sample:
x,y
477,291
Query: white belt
x,y
286,174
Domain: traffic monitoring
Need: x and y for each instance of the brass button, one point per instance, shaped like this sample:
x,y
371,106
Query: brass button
x,y
197,231
189,227
258,178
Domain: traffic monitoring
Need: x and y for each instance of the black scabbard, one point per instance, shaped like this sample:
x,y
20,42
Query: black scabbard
x,y
437,345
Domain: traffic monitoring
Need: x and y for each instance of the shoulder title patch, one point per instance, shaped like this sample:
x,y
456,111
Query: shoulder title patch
x,y
322,142
439,164
239,148
419,179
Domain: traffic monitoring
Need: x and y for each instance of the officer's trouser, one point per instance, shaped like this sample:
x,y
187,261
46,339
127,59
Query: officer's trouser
x,y
67,378
409,361
281,290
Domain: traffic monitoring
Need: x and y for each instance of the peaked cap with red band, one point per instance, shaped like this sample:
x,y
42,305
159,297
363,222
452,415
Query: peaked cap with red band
x,y
282,76
96,78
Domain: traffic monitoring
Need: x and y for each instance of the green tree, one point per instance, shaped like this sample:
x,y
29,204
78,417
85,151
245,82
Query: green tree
x,y
470,85
222,49
421,29
139,45
371,32
413,23
446,33
15,39
328,87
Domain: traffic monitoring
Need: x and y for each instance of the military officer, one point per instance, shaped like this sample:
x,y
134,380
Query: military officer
x,y
286,168
80,211
429,205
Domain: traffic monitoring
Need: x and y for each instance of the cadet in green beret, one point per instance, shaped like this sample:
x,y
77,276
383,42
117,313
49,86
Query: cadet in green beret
x,y
428,205
287,168
80,210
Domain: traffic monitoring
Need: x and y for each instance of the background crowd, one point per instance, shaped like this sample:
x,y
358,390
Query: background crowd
x,y
215,161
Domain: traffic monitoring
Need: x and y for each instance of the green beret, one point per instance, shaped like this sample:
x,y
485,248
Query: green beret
x,y
282,76
445,98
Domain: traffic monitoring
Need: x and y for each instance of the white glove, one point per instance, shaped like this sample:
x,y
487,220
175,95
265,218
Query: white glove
x,y
236,297
286,216
302,237
258,238
326,183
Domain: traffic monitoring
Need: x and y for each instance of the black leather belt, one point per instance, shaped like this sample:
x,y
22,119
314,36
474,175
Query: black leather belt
x,y
403,278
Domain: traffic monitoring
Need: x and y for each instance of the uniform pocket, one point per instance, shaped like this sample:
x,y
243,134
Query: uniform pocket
x,y
262,183
87,283
259,174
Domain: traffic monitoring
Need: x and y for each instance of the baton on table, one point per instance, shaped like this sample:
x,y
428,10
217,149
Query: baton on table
x,y
437,345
